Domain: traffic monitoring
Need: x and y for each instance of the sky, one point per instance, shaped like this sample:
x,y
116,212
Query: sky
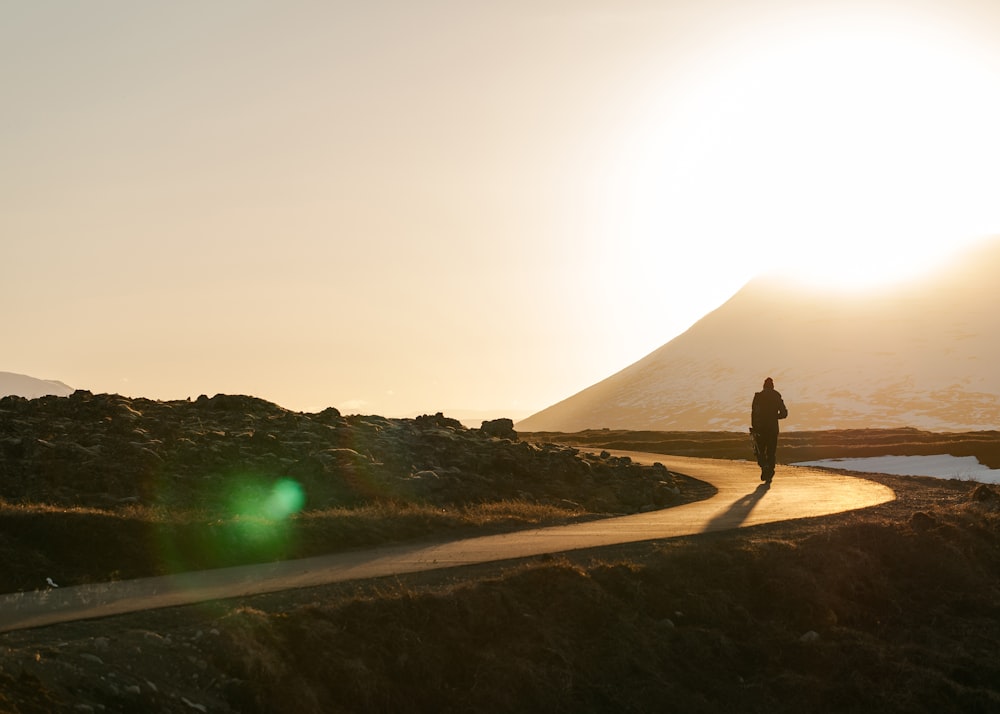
x,y
478,208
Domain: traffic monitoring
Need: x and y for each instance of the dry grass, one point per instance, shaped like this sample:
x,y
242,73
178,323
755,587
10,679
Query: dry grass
x,y
85,544
890,609
873,611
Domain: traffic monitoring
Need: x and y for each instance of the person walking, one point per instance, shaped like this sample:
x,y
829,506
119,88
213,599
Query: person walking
x,y
768,407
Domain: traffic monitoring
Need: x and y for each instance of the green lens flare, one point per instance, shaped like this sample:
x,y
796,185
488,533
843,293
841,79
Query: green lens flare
x,y
250,518
286,499
276,502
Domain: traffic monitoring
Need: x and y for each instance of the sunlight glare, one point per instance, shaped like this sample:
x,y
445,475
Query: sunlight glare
x,y
849,154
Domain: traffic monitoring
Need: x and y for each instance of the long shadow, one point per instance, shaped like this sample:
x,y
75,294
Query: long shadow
x,y
736,514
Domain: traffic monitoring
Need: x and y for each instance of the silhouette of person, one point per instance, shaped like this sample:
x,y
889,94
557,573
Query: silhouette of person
x,y
768,407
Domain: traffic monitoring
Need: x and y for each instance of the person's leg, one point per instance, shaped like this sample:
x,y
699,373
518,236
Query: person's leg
x,y
758,443
770,451
762,457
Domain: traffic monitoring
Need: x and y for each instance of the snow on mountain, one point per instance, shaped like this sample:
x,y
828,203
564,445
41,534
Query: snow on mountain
x,y
923,354
30,387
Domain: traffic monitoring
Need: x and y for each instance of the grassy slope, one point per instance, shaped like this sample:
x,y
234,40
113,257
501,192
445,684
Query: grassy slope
x,y
892,609
904,601
101,487
84,545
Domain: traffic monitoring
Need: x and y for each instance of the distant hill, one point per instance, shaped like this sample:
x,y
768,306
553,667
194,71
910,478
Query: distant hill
x,y
924,354
31,388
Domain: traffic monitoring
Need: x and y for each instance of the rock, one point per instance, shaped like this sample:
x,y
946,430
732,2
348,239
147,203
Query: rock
x,y
811,636
986,495
500,429
921,522
438,419
13,448
330,415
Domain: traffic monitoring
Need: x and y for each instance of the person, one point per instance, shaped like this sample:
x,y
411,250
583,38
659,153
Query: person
x,y
768,407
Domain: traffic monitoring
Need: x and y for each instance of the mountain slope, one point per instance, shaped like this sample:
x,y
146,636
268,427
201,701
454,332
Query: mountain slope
x,y
22,385
923,354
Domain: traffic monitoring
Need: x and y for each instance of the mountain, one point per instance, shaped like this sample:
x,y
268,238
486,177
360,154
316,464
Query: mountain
x,y
31,388
923,354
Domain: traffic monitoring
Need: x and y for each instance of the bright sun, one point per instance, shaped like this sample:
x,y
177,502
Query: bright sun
x,y
850,153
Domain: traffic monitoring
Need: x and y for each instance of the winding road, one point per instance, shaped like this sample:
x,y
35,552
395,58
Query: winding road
x,y
742,500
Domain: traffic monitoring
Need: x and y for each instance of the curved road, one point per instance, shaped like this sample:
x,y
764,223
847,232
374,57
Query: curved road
x,y
742,500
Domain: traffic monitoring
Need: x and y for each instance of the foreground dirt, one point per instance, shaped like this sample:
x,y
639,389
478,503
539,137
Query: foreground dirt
x,y
895,609
892,609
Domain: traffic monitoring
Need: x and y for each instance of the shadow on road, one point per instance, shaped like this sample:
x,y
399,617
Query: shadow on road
x,y
734,516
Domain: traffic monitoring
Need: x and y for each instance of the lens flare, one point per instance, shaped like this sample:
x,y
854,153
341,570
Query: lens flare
x,y
249,519
274,502
286,499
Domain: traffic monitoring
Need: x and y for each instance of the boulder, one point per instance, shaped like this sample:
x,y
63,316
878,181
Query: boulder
x,y
499,429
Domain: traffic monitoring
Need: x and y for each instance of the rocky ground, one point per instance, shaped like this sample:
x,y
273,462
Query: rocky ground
x,y
106,450
890,609
166,486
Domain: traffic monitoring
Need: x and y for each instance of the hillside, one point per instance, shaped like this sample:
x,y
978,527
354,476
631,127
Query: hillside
x,y
99,487
22,385
890,609
920,355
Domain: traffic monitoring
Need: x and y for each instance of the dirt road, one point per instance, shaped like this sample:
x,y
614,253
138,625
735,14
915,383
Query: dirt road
x,y
742,500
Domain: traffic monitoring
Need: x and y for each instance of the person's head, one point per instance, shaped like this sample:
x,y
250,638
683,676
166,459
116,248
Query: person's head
x,y
768,383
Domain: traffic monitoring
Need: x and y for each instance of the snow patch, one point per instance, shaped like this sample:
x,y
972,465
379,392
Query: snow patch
x,y
966,468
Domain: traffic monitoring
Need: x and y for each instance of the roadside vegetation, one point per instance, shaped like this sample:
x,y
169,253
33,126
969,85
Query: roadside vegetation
x,y
84,545
895,608
875,611
103,487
